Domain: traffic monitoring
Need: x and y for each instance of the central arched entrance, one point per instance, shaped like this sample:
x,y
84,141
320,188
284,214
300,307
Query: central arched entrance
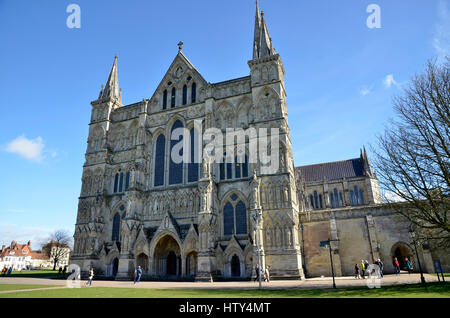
x,y
115,266
167,258
235,266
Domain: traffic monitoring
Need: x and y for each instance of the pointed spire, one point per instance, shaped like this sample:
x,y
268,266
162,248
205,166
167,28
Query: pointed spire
x,y
262,43
257,34
112,84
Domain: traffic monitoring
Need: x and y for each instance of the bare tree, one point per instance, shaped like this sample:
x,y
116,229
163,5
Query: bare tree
x,y
413,156
57,247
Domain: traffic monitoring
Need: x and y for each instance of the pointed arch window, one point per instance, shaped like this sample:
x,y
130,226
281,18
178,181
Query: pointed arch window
x,y
193,164
184,95
159,160
121,182
165,99
116,182
241,218
127,180
175,169
116,228
193,93
173,97
234,218
228,219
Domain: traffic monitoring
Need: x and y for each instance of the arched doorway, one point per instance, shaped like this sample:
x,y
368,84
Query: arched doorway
x,y
115,266
171,264
191,264
235,266
167,258
142,261
402,252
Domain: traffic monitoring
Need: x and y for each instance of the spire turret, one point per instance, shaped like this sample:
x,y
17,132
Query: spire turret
x,y
111,89
262,42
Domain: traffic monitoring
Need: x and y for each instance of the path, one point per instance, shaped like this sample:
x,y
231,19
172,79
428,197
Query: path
x,y
325,282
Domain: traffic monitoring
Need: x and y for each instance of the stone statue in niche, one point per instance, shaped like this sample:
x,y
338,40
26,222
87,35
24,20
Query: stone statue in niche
x,y
254,185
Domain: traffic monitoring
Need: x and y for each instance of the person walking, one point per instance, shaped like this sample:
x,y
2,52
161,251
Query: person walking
x,y
396,266
362,267
138,274
256,272
267,274
380,265
91,277
366,268
357,274
408,265
9,271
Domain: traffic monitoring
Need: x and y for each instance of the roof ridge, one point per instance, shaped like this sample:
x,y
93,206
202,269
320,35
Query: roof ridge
x,y
328,162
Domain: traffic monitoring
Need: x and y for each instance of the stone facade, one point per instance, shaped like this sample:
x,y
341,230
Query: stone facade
x,y
205,221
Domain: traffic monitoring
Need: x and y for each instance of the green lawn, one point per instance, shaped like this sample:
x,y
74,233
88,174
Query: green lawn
x,y
35,274
5,287
431,290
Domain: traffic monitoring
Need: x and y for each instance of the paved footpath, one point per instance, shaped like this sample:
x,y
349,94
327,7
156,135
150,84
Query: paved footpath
x,y
322,282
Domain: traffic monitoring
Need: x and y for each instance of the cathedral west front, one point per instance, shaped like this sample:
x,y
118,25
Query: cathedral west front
x,y
196,220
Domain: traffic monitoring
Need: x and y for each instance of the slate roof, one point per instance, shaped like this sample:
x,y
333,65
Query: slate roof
x,y
336,170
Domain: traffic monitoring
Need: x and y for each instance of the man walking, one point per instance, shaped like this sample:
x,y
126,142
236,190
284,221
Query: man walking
x,y
138,273
380,265
267,274
257,272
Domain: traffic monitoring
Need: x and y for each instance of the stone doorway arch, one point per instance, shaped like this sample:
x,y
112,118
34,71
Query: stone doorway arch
x,y
235,266
191,264
167,258
402,251
115,266
142,261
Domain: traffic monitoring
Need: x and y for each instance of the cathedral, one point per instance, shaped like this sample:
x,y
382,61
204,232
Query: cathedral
x,y
200,221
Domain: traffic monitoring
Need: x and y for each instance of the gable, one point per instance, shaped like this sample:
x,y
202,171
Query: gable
x,y
179,70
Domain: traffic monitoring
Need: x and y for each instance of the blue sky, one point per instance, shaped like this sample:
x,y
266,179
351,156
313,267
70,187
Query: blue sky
x,y
340,79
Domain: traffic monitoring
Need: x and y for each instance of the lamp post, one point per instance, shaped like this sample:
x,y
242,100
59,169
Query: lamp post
x,y
413,236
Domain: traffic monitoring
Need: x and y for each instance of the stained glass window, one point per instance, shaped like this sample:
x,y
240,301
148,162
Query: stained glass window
x,y
175,169
241,218
228,219
192,166
184,95
116,227
159,160
194,93
116,182
165,99
172,100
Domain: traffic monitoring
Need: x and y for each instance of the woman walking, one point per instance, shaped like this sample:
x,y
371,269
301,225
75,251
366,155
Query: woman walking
x,y
91,277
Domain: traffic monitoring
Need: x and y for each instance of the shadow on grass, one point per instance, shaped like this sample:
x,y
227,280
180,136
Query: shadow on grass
x,y
431,290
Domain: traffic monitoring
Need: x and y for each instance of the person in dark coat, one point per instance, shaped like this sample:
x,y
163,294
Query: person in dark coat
x,y
257,272
357,275
138,273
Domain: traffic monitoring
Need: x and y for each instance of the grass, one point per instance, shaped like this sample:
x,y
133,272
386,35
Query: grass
x,y
7,287
35,274
430,290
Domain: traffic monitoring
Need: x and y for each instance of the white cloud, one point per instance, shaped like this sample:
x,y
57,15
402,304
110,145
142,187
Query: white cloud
x,y
389,81
392,197
441,37
365,90
30,149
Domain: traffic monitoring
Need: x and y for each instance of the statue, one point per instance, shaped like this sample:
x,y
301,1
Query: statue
x,y
255,184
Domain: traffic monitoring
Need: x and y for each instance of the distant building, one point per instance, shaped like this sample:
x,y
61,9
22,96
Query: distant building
x,y
22,256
